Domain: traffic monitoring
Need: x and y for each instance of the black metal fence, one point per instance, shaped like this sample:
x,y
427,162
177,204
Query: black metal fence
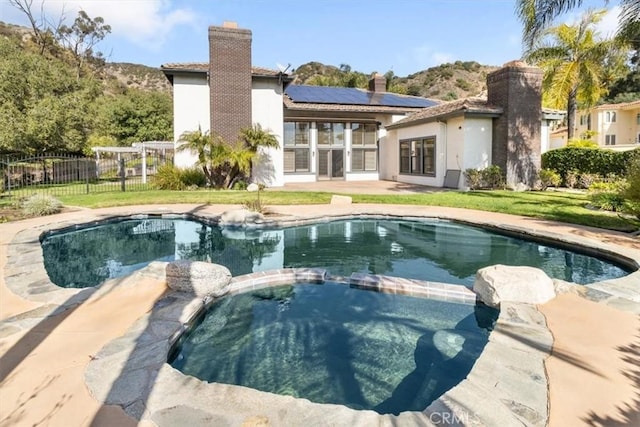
x,y
68,175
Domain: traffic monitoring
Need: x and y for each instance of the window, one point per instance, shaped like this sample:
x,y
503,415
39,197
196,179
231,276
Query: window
x,y
418,156
296,147
638,118
364,150
609,140
610,117
363,134
330,133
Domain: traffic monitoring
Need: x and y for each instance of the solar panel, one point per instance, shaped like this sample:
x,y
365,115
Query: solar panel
x,y
353,96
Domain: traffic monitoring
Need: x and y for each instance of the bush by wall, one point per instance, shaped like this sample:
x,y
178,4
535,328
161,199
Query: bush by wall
x,y
491,177
582,161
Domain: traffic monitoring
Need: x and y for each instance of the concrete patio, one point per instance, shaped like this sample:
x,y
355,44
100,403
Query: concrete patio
x,y
47,341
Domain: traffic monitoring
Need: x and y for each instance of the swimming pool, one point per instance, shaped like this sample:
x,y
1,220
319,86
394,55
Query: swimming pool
x,y
332,343
432,250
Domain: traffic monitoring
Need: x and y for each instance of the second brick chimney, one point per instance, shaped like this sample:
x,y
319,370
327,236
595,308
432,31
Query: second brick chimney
x,y
378,83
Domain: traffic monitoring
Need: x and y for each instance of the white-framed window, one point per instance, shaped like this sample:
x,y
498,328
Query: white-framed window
x,y
296,147
364,148
418,156
330,133
610,117
609,140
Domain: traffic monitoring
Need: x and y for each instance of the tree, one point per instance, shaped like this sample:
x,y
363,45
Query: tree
x,y
43,107
537,15
83,35
42,35
575,63
136,116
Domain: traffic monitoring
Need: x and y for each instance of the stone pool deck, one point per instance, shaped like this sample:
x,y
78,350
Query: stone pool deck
x,y
593,371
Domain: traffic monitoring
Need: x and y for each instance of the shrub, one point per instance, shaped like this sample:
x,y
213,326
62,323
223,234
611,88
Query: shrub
x,y
41,204
493,177
588,179
608,195
588,160
632,191
571,179
168,177
240,185
193,177
549,178
582,143
473,178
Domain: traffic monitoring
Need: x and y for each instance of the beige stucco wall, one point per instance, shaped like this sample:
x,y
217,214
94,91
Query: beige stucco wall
x,y
461,143
190,111
266,110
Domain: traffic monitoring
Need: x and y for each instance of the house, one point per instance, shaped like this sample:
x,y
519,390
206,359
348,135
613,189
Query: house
x,y
614,126
328,133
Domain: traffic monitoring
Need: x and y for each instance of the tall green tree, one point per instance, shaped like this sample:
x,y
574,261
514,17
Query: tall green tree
x,y
576,65
136,116
43,106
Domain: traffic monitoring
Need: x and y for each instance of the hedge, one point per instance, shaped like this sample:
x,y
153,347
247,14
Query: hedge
x,y
588,161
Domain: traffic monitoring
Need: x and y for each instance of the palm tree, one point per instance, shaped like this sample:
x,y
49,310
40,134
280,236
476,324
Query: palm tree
x,y
255,137
575,64
536,15
203,145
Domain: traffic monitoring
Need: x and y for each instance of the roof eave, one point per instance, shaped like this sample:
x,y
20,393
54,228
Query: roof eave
x,y
446,116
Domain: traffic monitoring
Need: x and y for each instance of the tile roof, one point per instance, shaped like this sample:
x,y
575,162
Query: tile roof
x,y
203,67
309,106
620,106
460,106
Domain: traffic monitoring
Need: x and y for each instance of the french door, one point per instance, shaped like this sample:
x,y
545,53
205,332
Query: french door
x,y
330,163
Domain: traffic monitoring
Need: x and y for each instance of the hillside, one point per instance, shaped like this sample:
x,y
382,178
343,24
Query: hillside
x,y
444,82
137,76
115,76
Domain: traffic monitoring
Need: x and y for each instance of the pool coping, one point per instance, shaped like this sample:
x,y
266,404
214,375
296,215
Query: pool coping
x,y
515,320
131,371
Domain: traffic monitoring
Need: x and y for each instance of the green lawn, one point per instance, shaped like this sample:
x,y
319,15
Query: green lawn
x,y
563,207
556,206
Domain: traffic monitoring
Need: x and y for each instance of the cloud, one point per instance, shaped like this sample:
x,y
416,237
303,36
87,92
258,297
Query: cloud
x,y
425,56
145,23
608,25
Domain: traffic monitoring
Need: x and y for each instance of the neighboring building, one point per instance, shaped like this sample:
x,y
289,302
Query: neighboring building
x,y
354,134
615,126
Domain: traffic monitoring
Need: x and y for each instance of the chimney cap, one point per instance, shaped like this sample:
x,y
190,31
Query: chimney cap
x,y
229,24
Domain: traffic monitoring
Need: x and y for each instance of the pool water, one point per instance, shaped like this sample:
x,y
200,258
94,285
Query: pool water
x,y
331,343
432,250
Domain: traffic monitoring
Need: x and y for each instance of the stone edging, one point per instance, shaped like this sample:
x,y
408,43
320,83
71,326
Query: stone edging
x,y
25,274
131,370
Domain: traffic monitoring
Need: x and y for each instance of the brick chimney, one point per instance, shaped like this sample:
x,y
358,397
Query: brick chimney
x,y
517,88
229,80
378,83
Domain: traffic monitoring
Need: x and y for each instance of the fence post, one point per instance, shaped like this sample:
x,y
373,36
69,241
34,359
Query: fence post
x,y
86,173
122,175
9,176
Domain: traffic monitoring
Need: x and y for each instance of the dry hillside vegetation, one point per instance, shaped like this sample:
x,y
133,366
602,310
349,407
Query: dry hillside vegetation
x,y
445,82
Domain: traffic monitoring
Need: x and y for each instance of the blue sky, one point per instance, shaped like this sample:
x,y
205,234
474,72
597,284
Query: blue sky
x,y
405,36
